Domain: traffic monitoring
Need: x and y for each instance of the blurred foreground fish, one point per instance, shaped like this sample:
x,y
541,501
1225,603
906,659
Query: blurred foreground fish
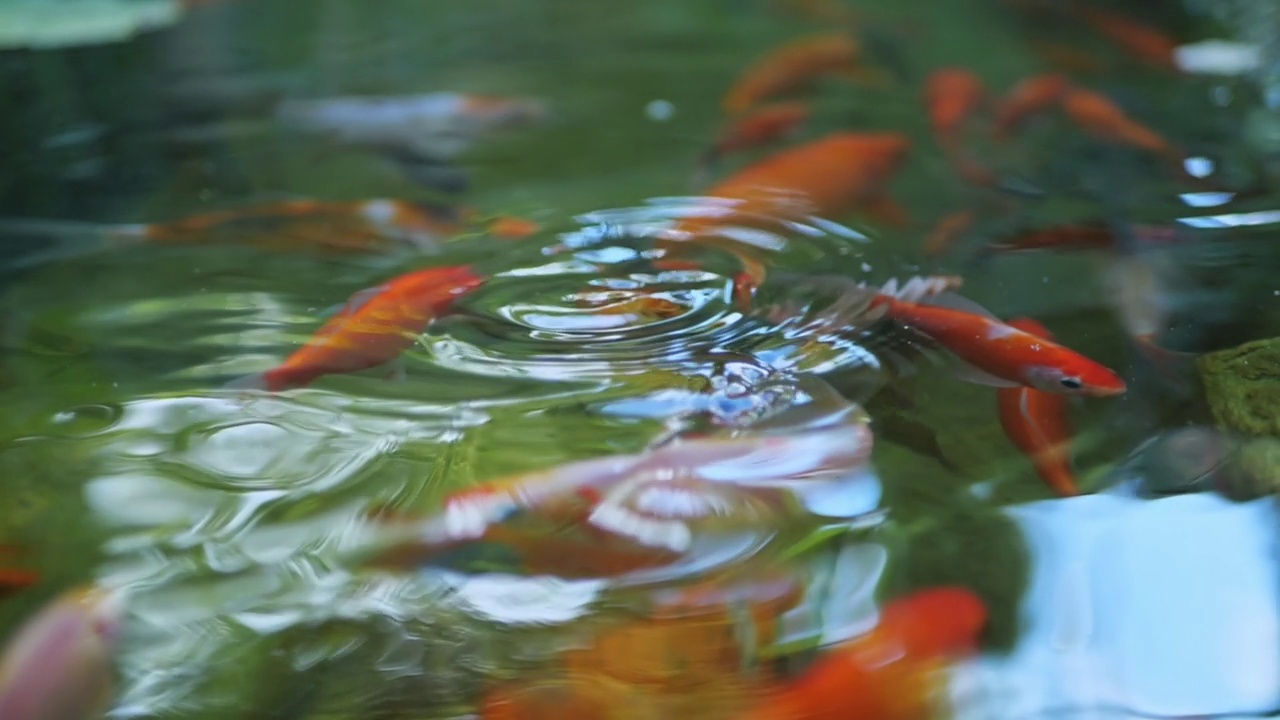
x,y
1037,423
1103,119
59,665
614,515
1141,41
433,126
894,672
372,329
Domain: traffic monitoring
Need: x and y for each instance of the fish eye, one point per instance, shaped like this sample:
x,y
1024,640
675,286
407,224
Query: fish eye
x,y
1071,383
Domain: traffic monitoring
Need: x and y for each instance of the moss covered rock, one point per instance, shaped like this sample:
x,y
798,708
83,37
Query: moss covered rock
x,y
1242,386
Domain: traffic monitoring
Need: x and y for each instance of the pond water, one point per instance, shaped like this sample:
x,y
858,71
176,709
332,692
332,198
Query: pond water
x,y
239,521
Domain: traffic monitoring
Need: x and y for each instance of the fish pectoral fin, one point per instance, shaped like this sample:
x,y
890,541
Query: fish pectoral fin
x,y
396,371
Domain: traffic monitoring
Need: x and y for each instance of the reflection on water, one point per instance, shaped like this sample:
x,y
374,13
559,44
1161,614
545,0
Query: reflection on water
x,y
637,459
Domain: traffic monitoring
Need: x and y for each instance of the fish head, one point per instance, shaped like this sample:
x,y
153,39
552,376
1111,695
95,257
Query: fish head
x,y
1075,375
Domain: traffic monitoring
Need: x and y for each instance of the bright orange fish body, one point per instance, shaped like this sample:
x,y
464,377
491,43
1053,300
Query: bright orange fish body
x,y
1030,96
1038,424
1006,355
890,673
1100,117
373,328
791,67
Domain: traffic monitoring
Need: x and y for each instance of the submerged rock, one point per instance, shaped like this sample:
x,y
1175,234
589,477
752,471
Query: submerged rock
x,y
1242,386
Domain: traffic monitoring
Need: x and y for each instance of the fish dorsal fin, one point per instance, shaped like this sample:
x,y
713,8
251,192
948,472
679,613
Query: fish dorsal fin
x,y
952,301
358,299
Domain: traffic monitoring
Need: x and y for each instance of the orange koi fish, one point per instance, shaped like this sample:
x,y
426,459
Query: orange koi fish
x,y
944,233
1038,424
792,66
373,328
757,127
891,673
60,664
1030,96
1142,41
825,177
1101,118
952,96
1068,58
1001,355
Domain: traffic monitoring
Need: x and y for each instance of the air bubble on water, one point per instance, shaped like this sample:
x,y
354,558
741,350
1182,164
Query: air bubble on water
x,y
660,110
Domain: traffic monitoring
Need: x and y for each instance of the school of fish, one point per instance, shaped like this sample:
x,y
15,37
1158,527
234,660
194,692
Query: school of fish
x,y
763,166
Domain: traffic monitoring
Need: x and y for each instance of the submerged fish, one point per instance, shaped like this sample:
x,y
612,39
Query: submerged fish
x,y
890,673
59,665
439,125
14,579
758,127
1100,117
793,66
1032,95
952,96
613,515
994,353
355,226
1038,424
944,233
373,328
1143,42
825,177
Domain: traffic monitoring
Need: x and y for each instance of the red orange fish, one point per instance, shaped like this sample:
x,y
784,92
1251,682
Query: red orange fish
x,y
891,673
1033,95
825,177
1100,117
1038,424
999,354
1142,41
945,231
373,328
1080,236
757,127
791,67
952,96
